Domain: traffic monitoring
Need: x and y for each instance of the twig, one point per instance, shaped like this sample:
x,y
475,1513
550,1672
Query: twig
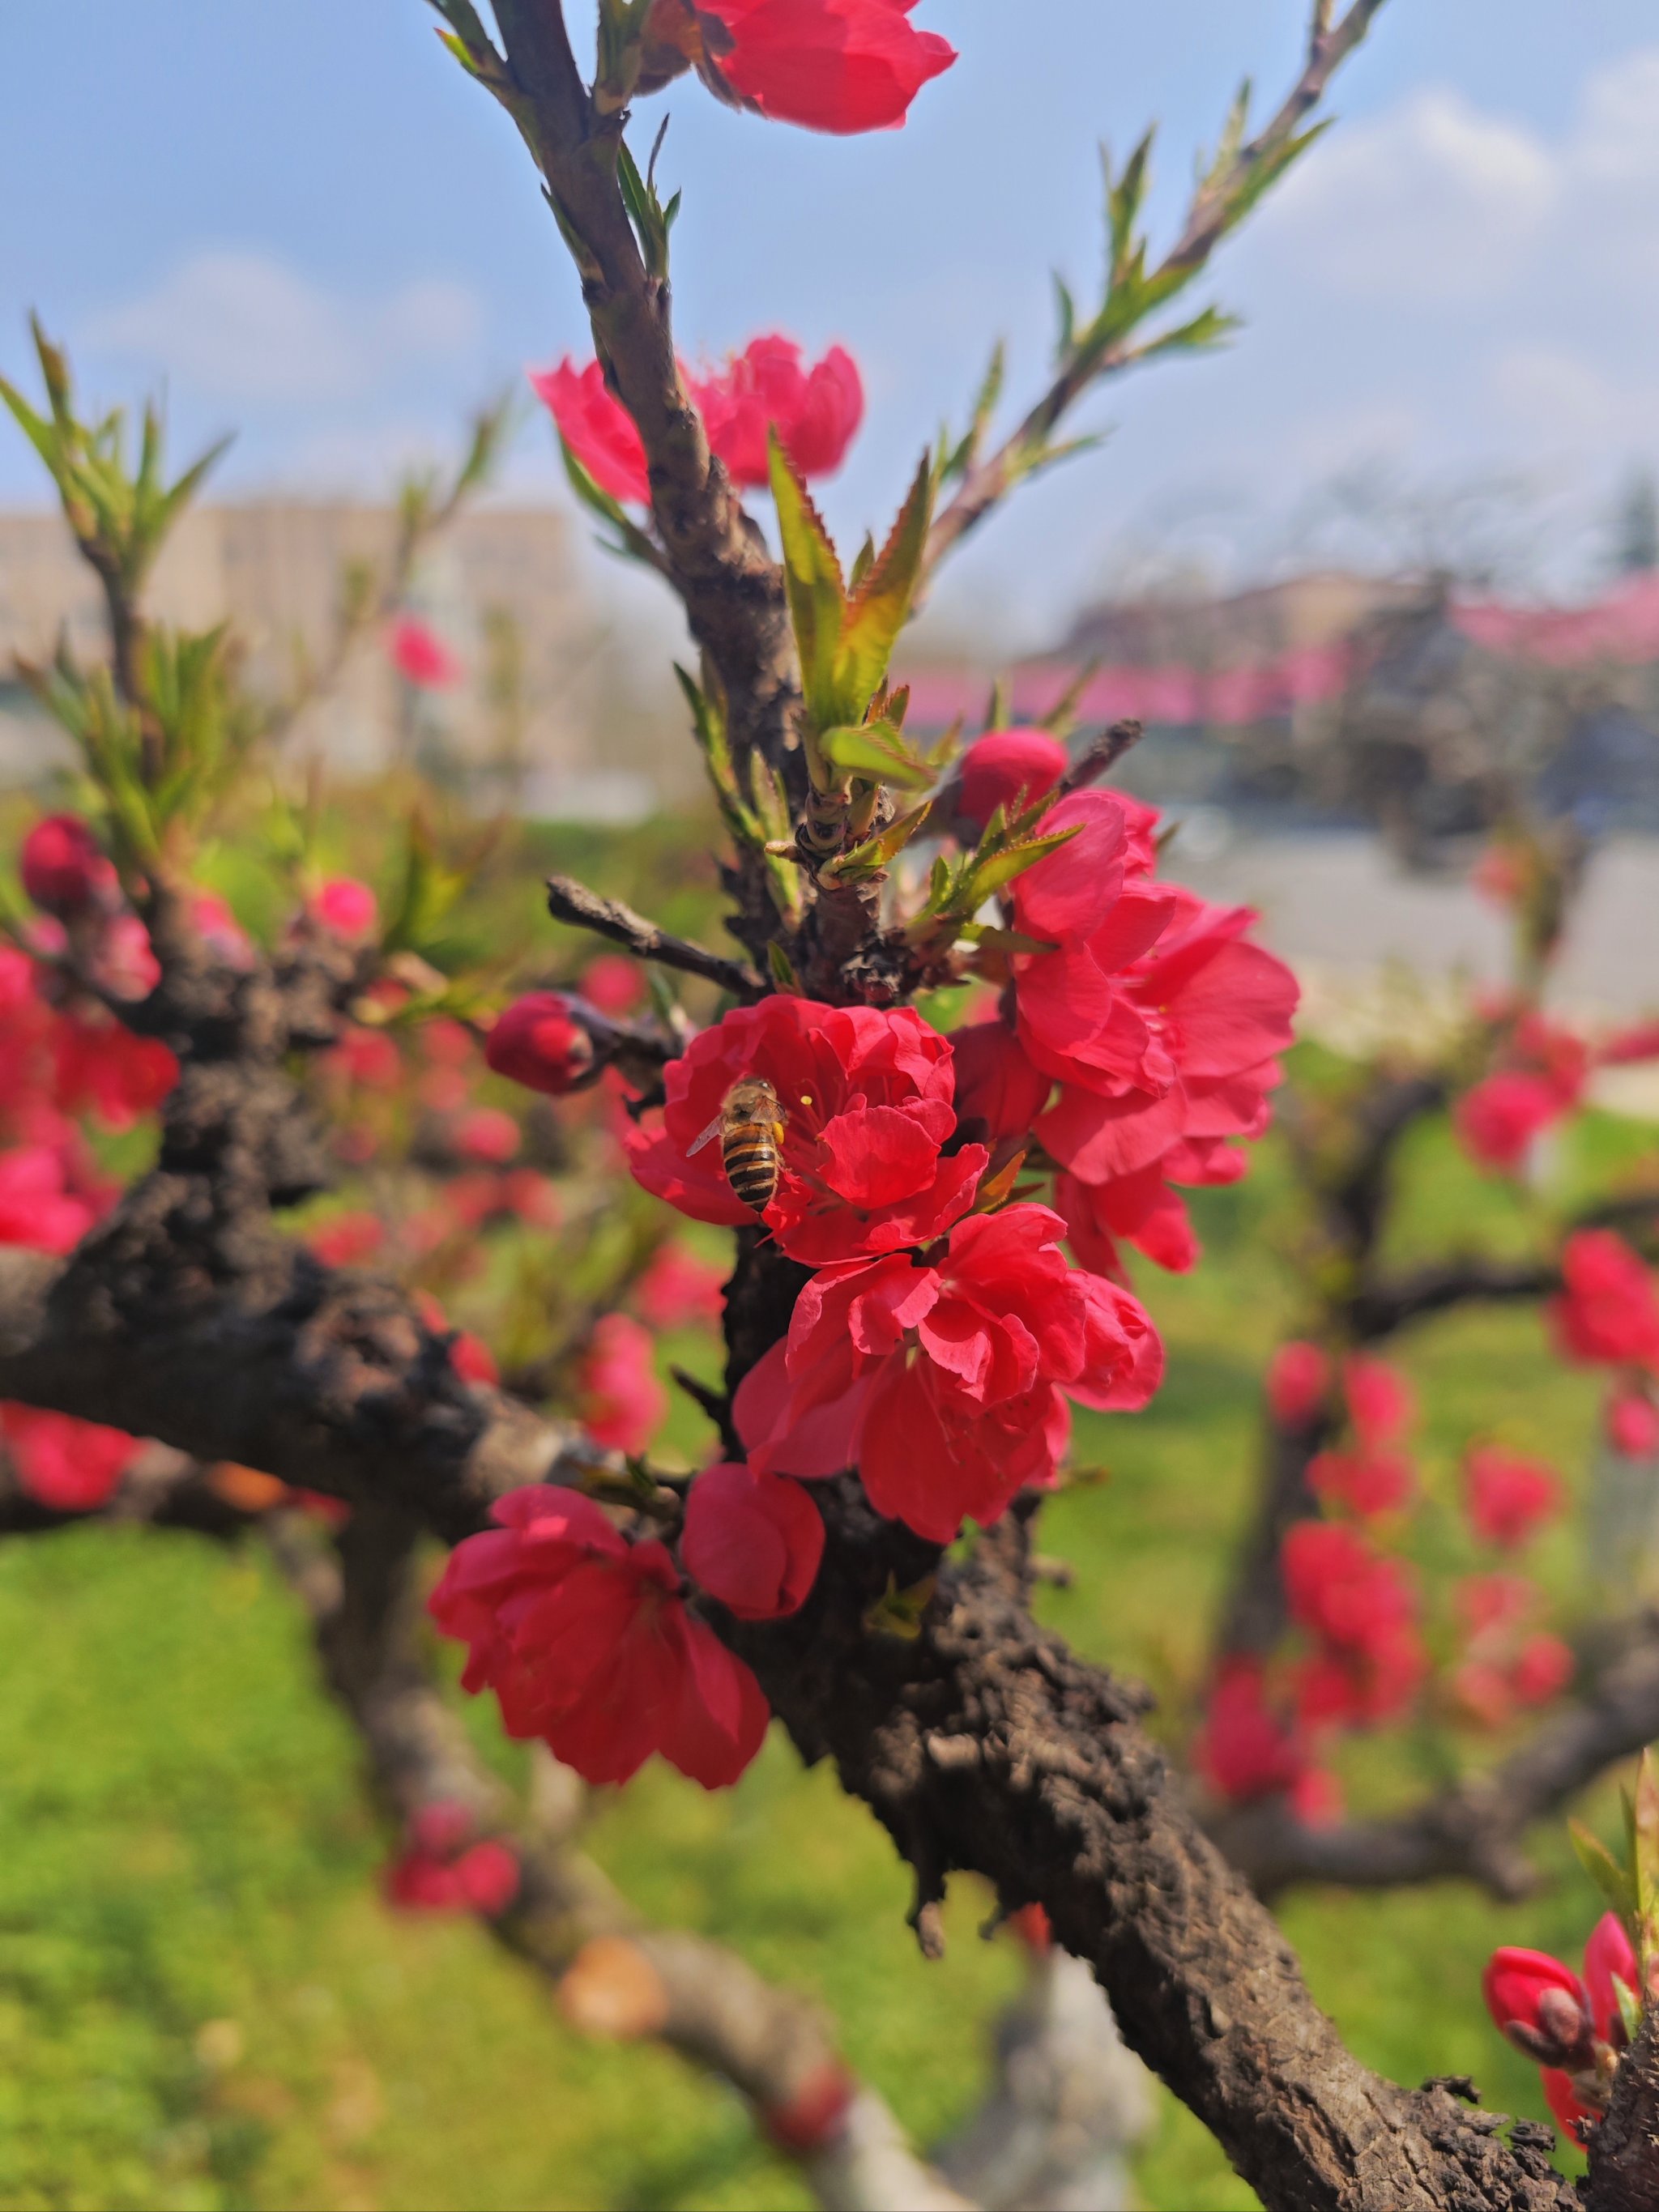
x,y
1101,758
569,901
990,480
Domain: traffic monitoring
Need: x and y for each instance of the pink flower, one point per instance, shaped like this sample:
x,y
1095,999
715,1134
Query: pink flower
x,y
1610,1958
1298,1380
1498,1121
421,657
70,1466
621,1401
1361,1610
1139,1209
836,65
485,1133
102,1067
1633,1421
1244,1750
65,872
1607,1312
998,1092
367,1059
346,906
222,934
538,1041
1507,1497
1163,1053
815,412
865,1098
1380,1402
38,1208
440,1870
678,1289
346,1239
1368,1483
595,426
587,1646
124,962
1009,769
1543,1668
753,1541
946,1385
1487,1602
613,983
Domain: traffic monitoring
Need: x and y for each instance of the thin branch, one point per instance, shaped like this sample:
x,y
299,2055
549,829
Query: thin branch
x,y
1101,758
570,902
1476,1829
990,480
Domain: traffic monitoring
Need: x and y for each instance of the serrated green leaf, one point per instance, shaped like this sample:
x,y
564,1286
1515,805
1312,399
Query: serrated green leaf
x,y
818,599
1214,327
1001,868
864,560
876,750
876,852
880,606
1123,201
939,885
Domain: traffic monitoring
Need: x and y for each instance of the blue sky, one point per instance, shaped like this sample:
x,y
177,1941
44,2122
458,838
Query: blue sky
x,y
305,222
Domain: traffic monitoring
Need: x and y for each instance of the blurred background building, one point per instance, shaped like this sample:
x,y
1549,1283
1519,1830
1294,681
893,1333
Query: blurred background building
x,y
541,715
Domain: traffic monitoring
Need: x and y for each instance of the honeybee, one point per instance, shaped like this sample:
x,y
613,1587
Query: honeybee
x,y
750,1126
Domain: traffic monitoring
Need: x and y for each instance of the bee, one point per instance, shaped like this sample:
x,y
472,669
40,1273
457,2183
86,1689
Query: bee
x,y
750,1126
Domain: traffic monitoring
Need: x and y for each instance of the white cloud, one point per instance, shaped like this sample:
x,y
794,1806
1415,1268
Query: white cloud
x,y
239,327
1431,202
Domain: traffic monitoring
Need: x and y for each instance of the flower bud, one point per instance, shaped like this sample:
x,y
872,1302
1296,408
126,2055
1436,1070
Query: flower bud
x,y
541,1042
1299,1377
64,871
1009,769
346,908
1540,2005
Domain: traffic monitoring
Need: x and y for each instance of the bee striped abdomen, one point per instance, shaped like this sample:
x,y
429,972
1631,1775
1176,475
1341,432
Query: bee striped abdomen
x,y
750,1158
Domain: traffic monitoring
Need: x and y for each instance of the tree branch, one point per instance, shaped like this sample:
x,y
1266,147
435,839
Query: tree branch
x,y
617,1976
1477,1829
570,902
989,480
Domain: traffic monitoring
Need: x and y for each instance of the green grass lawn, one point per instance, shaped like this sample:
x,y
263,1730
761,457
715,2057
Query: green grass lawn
x,y
203,2003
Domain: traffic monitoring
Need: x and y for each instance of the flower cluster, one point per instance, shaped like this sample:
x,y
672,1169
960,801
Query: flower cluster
x,y
587,1642
815,412
445,1867
943,1333
1158,1020
1362,1655
1607,1316
1539,1080
1574,2030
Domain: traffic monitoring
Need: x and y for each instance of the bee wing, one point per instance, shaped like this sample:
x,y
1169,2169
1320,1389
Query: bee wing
x,y
707,1136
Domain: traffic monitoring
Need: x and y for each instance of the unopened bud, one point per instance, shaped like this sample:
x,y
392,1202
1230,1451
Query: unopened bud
x,y
545,1042
65,871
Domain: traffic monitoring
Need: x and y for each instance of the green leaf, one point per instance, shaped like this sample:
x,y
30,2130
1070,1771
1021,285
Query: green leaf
x,y
990,875
876,750
863,562
1123,201
782,968
818,598
875,853
1613,1880
1067,306
1232,137
880,606
1214,327
1265,172
1630,2006
632,543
